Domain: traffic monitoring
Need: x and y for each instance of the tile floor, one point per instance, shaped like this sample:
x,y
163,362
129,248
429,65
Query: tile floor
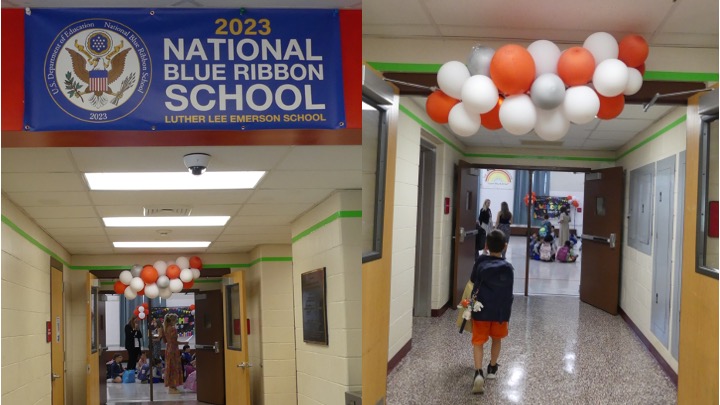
x,y
139,393
559,351
545,277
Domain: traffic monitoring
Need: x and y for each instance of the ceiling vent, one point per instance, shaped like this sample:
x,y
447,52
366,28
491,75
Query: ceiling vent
x,y
167,211
540,143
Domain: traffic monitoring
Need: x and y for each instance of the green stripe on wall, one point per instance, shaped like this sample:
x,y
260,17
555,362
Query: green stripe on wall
x,y
42,247
656,75
430,129
331,218
653,136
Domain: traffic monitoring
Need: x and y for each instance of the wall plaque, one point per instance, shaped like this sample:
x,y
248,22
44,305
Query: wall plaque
x,y
314,307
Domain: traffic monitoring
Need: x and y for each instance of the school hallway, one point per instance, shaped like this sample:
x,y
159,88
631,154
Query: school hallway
x,y
558,351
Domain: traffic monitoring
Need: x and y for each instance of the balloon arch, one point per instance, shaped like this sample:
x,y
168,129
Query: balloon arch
x,y
161,279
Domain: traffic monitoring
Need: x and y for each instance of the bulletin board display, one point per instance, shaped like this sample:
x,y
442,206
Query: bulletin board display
x,y
186,320
550,206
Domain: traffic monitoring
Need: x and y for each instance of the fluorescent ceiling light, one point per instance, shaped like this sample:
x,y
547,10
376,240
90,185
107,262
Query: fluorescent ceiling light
x,y
174,181
160,244
165,221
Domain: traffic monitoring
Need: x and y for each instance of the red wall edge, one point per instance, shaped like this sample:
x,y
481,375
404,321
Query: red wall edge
x,y
351,40
12,48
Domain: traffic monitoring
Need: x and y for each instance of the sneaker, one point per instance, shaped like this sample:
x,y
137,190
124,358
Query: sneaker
x,y
478,383
491,371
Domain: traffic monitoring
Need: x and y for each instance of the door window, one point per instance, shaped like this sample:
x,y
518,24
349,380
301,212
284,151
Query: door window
x,y
233,321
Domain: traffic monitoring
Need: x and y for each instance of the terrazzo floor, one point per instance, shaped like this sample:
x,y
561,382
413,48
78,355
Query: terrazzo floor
x,y
559,351
544,277
140,393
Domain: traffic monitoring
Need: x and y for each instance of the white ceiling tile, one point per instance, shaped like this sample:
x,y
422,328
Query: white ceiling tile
x,y
617,136
75,240
693,16
173,233
282,196
323,158
192,198
24,182
49,223
82,211
230,248
36,160
88,249
403,30
217,209
269,220
313,179
87,231
257,230
620,124
685,39
635,111
42,198
272,209
258,239
396,12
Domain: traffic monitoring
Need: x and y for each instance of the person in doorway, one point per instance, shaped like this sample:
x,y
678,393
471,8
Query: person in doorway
x,y
546,225
492,278
564,225
503,221
547,249
133,342
142,361
173,369
156,333
483,227
115,369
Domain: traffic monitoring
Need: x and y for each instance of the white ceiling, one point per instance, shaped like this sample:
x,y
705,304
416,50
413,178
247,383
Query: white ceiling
x,y
47,183
679,23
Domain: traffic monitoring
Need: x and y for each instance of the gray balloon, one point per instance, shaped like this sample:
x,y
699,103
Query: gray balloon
x,y
547,91
479,60
135,270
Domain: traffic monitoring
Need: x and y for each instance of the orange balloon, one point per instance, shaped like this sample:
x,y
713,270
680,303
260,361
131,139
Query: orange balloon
x,y
438,106
491,119
512,69
149,274
173,271
189,284
195,263
641,68
141,292
576,66
610,107
119,287
575,203
633,50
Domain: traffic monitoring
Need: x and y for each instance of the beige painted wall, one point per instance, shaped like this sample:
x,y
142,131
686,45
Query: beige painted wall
x,y
325,373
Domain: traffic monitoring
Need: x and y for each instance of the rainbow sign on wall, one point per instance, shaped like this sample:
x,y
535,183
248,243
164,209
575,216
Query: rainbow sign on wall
x,y
497,178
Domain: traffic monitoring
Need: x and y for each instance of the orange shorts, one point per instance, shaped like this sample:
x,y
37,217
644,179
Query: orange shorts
x,y
484,329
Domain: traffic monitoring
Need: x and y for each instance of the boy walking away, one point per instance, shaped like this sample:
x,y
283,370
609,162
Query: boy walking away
x,y
492,277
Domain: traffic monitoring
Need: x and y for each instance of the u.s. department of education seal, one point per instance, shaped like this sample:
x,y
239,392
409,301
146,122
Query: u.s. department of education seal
x,y
98,70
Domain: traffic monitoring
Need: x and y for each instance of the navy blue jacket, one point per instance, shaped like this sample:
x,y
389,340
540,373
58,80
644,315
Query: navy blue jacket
x,y
493,282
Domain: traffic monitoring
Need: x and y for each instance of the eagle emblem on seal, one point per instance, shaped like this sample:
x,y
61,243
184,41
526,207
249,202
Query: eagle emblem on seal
x,y
96,65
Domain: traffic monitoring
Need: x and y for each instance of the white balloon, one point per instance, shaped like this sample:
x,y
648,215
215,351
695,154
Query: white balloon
x,y
634,83
602,46
196,274
450,77
136,269
479,60
546,55
161,267
176,285
192,312
463,123
152,290
182,262
610,77
142,308
137,284
581,104
141,315
126,277
479,94
547,91
518,114
130,293
165,293
163,281
551,125
186,275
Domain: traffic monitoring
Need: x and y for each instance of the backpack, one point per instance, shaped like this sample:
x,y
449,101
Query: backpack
x,y
562,254
546,251
144,372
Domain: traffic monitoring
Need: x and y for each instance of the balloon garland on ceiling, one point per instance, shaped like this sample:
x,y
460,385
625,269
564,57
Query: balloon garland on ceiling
x,y
540,87
160,279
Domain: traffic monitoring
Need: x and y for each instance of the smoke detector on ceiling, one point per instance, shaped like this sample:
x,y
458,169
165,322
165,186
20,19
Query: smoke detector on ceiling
x,y
167,211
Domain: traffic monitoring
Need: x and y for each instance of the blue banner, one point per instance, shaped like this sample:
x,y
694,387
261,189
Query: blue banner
x,y
181,69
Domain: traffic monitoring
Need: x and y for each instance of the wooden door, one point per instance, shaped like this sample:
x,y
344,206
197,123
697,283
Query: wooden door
x,y
602,239
57,336
102,347
466,198
237,368
92,387
209,347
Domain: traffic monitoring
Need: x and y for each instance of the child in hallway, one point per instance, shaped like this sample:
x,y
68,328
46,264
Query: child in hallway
x,y
492,279
566,254
547,249
115,369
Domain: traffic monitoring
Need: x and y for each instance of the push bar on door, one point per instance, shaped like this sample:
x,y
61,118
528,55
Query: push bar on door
x,y
610,240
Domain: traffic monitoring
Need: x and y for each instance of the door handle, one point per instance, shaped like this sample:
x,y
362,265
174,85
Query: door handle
x,y
463,233
214,347
610,241
54,376
244,365
102,348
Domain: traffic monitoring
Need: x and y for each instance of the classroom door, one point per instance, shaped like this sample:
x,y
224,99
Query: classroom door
x,y
237,368
602,238
209,347
92,388
57,337
101,347
466,198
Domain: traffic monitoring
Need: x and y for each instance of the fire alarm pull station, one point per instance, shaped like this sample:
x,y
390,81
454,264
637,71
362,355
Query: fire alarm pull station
x,y
447,205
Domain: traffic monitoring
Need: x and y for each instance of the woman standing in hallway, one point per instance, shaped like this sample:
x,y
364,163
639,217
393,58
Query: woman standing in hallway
x,y
156,334
484,227
564,222
503,221
173,372
133,342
